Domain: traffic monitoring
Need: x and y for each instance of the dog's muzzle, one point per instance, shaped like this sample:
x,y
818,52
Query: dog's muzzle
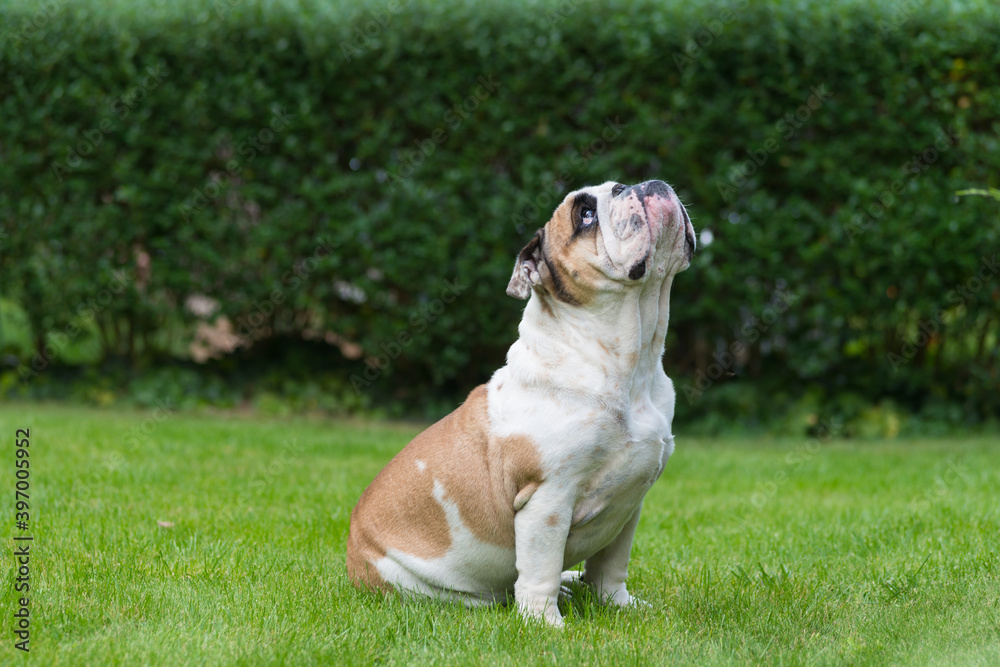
x,y
660,207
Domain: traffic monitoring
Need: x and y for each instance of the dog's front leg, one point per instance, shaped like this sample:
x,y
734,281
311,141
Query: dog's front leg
x,y
607,569
540,531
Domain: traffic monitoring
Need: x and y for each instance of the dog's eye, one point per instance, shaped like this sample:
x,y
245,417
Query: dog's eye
x,y
588,216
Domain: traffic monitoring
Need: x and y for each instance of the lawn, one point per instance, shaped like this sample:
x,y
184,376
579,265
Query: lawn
x,y
177,539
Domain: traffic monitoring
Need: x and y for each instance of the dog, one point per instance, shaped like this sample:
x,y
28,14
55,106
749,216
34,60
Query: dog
x,y
547,464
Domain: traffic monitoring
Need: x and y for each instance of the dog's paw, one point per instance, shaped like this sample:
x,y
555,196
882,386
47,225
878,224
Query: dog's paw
x,y
542,610
550,616
620,597
554,619
571,576
569,580
639,602
629,601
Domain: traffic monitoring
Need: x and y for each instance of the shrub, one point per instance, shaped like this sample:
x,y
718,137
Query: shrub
x,y
366,174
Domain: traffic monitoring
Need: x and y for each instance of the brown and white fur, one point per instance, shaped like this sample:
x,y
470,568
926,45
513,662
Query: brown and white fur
x,y
546,466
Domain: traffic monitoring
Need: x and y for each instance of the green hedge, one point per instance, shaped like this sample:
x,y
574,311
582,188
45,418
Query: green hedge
x,y
365,174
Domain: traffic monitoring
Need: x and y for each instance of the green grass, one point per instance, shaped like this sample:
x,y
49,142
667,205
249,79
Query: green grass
x,y
750,551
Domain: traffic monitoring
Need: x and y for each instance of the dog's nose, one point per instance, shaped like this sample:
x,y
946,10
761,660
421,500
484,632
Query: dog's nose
x,y
658,200
656,188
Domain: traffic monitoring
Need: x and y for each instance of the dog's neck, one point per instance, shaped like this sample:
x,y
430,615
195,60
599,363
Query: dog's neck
x,y
610,350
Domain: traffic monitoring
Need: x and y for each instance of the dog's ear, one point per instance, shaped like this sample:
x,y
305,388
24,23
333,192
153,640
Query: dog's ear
x,y
526,272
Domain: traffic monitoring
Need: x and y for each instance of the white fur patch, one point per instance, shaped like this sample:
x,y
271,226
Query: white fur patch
x,y
471,571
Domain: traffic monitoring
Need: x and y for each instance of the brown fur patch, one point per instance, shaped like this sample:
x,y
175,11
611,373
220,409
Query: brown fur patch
x,y
568,273
481,474
552,520
361,562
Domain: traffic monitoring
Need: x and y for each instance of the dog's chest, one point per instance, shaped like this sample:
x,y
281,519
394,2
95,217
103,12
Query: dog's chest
x,y
624,460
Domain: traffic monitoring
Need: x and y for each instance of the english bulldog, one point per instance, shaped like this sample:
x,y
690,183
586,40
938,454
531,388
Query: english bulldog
x,y
547,464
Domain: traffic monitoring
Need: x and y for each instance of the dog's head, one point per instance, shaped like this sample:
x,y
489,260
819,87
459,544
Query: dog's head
x,y
606,238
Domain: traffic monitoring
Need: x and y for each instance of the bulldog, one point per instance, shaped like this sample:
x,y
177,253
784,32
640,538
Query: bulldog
x,y
546,465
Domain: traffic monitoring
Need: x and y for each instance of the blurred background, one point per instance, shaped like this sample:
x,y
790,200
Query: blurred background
x,y
314,206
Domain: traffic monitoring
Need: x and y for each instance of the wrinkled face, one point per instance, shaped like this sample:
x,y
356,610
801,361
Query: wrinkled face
x,y
606,238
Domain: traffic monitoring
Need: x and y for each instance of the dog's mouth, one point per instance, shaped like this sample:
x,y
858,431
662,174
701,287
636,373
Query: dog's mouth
x,y
689,244
689,239
652,211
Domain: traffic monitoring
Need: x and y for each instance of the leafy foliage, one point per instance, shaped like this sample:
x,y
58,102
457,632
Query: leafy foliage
x,y
361,172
